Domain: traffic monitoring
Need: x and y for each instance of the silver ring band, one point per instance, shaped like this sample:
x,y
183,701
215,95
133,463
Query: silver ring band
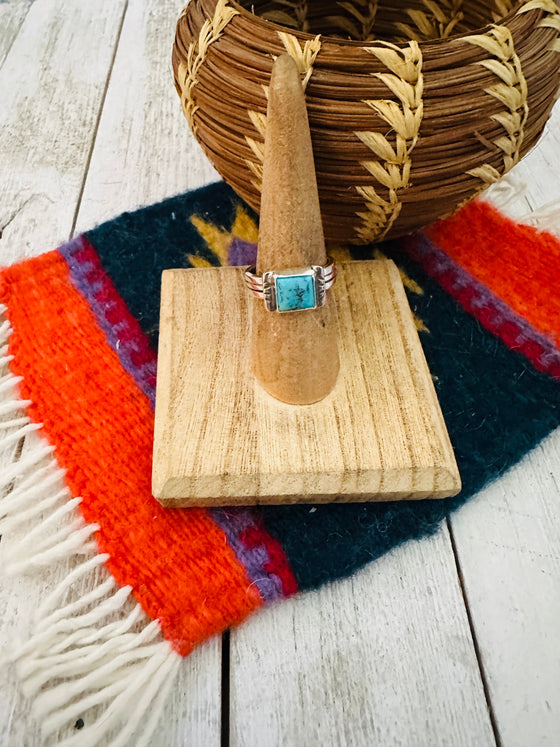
x,y
292,290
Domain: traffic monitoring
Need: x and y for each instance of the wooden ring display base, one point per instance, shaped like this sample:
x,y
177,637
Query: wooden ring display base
x,y
221,440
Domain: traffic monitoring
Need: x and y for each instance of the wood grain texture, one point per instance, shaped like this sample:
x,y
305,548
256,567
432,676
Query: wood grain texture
x,y
48,116
12,15
382,659
508,544
221,439
143,151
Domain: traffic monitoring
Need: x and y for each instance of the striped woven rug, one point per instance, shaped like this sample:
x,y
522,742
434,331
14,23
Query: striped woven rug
x,y
79,371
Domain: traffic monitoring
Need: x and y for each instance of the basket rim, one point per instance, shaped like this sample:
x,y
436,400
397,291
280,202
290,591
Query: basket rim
x,y
358,44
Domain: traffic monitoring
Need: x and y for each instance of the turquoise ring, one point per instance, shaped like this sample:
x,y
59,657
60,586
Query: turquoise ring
x,y
297,289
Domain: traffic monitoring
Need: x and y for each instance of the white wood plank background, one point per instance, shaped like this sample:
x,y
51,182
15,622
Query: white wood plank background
x,y
409,651
11,18
383,658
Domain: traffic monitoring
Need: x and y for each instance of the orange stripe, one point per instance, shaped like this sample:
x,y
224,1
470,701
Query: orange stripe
x,y
518,263
178,561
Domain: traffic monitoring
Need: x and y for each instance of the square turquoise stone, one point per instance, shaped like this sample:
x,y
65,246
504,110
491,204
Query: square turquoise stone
x,y
295,292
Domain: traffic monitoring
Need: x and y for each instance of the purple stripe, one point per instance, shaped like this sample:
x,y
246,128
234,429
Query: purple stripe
x,y
235,521
125,338
438,263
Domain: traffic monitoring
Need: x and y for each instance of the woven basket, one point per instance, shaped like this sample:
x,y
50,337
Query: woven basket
x,y
415,106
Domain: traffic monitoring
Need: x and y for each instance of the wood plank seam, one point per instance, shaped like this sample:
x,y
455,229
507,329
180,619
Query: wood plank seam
x,y
98,120
476,647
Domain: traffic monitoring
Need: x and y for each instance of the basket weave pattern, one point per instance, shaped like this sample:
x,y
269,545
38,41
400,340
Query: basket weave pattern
x,y
414,109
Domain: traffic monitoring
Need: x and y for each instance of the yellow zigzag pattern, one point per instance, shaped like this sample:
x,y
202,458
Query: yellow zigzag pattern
x,y
219,241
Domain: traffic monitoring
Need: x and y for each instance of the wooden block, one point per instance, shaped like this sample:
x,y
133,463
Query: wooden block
x,y
220,439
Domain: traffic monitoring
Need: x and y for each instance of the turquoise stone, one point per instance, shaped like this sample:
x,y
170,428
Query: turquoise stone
x,y
295,292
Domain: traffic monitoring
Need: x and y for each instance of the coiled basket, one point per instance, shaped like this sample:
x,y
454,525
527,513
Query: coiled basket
x,y
415,106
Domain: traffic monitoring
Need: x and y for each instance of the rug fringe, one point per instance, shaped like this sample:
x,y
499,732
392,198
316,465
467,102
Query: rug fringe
x,y
93,659
545,218
511,188
99,659
506,191
39,513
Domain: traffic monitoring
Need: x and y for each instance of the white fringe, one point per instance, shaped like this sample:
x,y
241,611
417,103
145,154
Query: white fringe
x,y
80,658
506,190
546,217
92,654
510,188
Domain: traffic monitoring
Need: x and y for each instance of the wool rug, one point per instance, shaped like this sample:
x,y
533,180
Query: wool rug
x,y
79,345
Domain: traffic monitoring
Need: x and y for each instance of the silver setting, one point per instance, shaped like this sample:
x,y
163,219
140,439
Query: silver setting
x,y
264,286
